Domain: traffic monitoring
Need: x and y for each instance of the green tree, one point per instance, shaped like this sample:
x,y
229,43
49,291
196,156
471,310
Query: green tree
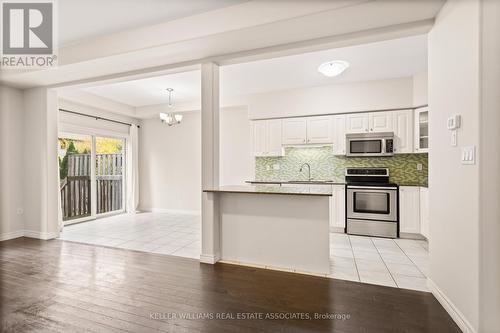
x,y
63,163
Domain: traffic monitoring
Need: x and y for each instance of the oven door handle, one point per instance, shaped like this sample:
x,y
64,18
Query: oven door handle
x,y
372,188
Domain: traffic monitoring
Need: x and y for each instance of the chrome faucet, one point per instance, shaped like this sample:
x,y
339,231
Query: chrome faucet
x,y
308,169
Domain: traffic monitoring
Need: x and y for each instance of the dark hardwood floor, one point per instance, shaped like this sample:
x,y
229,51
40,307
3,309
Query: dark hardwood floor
x,y
49,286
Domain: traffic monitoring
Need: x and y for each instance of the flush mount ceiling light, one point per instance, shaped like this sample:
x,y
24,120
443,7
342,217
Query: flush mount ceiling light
x,y
333,68
170,118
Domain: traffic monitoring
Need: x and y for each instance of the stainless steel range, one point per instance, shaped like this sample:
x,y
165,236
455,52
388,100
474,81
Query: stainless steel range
x,y
372,203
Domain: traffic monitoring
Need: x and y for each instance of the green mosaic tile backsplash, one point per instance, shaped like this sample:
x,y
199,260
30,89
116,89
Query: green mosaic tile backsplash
x,y
326,166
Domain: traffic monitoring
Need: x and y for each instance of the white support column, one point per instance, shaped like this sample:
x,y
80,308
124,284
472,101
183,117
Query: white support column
x,y
41,184
210,222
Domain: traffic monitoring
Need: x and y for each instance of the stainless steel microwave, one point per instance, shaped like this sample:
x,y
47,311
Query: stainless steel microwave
x,y
370,144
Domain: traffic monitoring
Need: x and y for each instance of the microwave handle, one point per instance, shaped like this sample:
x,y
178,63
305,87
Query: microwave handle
x,y
383,146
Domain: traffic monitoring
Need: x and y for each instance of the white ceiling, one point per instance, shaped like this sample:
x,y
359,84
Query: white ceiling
x,y
82,19
376,61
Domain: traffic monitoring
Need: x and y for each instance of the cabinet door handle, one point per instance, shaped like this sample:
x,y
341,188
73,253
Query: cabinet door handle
x,y
371,129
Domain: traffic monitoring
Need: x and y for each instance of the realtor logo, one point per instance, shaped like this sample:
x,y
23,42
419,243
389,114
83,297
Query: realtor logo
x,y
28,29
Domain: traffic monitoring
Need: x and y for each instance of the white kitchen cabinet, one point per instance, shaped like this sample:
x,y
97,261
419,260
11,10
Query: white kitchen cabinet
x,y
266,137
337,208
294,131
424,212
356,123
369,122
409,209
307,130
422,130
339,135
274,146
380,121
403,131
259,137
319,130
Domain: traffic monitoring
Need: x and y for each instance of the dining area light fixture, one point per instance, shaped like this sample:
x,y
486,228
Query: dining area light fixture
x,y
170,118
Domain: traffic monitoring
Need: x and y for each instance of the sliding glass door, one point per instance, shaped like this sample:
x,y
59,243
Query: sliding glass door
x,y
109,167
75,152
91,172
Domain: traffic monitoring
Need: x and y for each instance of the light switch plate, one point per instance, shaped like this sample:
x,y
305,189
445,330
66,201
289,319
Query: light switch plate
x,y
469,155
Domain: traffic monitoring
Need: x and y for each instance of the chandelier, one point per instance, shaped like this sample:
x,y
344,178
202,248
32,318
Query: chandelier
x,y
170,118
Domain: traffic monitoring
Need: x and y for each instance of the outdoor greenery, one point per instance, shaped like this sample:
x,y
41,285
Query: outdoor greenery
x,y
72,146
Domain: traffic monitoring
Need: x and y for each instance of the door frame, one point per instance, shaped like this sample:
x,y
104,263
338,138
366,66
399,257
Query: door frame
x,y
93,133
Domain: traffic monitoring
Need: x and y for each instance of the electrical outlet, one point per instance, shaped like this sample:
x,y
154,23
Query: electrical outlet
x,y
276,166
268,167
419,167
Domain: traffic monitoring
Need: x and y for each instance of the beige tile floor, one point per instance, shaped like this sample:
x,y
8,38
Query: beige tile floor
x,y
165,233
399,263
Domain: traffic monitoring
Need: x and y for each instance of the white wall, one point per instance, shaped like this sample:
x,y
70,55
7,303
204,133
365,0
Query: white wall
x,y
69,122
420,82
489,240
454,188
170,164
11,162
170,159
237,164
339,98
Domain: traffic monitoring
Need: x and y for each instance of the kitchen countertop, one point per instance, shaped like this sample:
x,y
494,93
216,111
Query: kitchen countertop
x,y
292,182
413,184
266,189
296,182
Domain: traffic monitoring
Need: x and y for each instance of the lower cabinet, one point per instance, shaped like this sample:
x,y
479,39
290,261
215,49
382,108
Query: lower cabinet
x,y
337,208
414,210
424,212
409,209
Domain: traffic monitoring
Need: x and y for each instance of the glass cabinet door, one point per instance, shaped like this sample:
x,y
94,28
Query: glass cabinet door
x,y
422,130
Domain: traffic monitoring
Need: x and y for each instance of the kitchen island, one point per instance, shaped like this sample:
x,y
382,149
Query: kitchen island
x,y
274,226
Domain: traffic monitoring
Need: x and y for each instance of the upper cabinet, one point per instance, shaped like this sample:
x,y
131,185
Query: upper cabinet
x,y
369,122
339,135
422,130
403,131
410,129
310,130
266,137
380,121
319,130
356,123
294,131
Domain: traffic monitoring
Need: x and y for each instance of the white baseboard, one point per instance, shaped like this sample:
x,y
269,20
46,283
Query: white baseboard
x,y
40,235
209,259
172,211
337,230
29,234
11,235
452,310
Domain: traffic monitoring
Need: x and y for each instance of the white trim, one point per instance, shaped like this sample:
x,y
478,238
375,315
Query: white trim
x,y
173,211
11,235
40,235
29,234
209,259
452,310
337,230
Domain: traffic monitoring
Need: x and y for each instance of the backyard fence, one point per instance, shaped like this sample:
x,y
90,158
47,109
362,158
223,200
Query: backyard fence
x,y
76,187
